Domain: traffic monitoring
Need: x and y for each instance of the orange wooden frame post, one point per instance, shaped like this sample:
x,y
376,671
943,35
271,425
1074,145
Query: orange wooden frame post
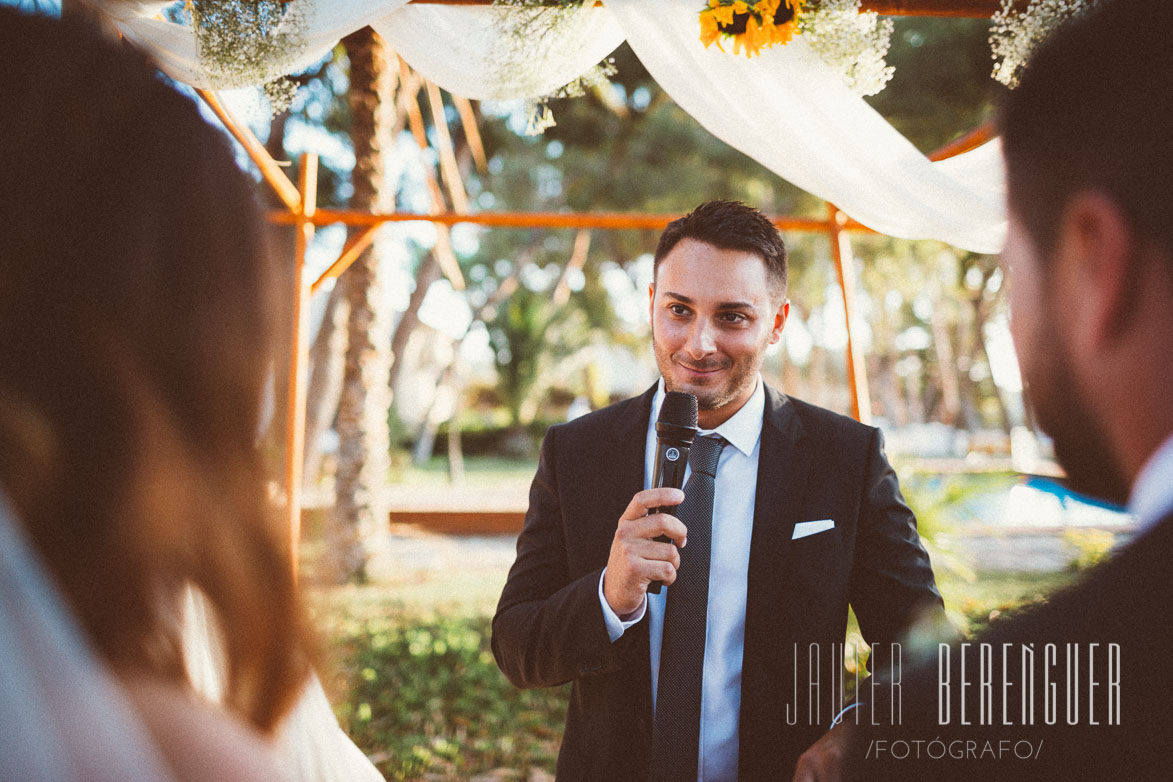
x,y
270,170
857,379
299,352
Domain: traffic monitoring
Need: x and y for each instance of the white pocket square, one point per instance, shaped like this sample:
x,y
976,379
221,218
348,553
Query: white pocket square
x,y
806,528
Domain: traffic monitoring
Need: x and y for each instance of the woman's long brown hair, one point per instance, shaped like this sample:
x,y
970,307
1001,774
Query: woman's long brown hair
x,y
137,324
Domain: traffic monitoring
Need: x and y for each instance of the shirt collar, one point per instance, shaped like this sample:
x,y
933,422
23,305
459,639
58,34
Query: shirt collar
x,y
742,429
1152,491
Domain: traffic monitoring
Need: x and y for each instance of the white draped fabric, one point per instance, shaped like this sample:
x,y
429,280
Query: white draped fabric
x,y
785,108
792,114
174,46
62,715
311,747
463,53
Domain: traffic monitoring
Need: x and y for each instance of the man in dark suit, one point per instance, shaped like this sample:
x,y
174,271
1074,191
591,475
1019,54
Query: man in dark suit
x,y
804,517
1089,261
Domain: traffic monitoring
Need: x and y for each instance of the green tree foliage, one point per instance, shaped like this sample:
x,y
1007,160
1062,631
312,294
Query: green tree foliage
x,y
942,86
528,333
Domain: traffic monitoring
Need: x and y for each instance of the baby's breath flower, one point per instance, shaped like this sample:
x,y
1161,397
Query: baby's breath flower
x,y
1013,36
242,43
280,93
531,27
852,43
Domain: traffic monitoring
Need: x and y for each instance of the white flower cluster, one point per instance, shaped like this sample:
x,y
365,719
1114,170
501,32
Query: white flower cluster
x,y
851,42
1013,36
529,29
538,109
594,77
528,33
241,43
538,117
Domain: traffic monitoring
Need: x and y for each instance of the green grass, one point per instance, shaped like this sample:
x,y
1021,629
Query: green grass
x,y
489,471
472,592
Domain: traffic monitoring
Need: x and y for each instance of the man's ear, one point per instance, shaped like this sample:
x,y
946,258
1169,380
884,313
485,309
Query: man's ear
x,y
1098,249
651,299
780,317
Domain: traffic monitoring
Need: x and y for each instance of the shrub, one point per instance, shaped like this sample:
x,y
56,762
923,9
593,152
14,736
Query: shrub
x,y
1092,547
425,698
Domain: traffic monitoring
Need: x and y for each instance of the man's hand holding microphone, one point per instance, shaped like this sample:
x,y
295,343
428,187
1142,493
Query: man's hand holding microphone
x,y
644,552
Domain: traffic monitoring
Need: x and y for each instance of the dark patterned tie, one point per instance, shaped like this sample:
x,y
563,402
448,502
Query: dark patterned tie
x,y
676,731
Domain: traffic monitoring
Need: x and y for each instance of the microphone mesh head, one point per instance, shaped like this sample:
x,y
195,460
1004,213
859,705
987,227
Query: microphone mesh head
x,y
679,408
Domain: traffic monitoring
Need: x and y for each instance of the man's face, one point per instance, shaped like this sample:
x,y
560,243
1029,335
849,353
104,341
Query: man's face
x,y
1040,309
713,317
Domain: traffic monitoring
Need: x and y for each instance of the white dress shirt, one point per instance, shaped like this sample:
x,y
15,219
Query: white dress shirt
x,y
1152,492
733,505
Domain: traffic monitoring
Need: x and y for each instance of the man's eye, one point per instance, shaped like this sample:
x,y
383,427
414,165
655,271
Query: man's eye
x,y
677,309
733,317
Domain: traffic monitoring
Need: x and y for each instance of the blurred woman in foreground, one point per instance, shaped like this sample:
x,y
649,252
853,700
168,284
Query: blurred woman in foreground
x,y
137,317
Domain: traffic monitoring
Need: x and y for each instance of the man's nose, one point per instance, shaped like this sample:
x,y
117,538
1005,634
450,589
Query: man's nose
x,y
700,339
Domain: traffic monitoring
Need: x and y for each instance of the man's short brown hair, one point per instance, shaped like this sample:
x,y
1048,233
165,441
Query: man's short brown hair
x,y
731,225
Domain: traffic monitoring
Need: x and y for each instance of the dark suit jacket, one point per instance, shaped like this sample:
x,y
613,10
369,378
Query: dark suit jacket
x,y
1125,601
814,464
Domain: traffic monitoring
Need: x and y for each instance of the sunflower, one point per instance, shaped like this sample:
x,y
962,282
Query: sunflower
x,y
752,26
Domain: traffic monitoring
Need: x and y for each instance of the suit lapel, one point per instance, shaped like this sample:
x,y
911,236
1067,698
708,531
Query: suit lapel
x,y
608,464
626,456
621,466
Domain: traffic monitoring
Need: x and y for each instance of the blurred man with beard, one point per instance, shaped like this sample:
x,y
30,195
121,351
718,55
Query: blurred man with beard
x,y
1075,689
804,516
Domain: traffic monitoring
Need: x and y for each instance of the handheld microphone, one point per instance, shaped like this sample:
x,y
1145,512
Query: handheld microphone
x,y
675,428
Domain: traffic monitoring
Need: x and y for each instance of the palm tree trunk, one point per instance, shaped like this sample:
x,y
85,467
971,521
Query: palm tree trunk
x,y
358,534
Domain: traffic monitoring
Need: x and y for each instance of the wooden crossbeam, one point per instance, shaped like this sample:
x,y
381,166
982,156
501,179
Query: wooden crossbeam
x,y
355,246
971,140
601,220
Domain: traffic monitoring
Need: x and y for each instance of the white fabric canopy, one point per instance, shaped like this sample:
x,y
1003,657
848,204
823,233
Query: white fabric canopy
x,y
785,108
